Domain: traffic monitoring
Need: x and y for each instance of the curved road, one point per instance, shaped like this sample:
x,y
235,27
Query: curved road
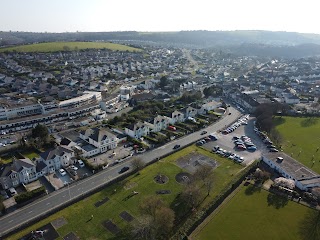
x,y
39,208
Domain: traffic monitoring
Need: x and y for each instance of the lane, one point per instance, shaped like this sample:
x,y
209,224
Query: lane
x,y
54,200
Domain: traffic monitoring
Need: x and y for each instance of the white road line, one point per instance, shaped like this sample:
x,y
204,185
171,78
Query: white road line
x,y
11,221
30,212
47,203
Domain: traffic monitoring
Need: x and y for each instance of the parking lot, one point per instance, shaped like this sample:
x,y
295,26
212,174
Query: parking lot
x,y
226,142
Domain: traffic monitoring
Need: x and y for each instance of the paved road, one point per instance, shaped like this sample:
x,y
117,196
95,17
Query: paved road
x,y
38,208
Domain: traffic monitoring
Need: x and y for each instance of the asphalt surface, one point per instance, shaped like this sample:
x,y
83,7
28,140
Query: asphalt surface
x,y
39,208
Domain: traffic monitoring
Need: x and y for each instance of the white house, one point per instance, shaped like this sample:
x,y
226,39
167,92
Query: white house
x,y
101,139
209,106
160,123
176,116
138,130
60,156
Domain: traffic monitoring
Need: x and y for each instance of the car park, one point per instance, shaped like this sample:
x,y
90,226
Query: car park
x,y
124,169
62,172
73,172
271,146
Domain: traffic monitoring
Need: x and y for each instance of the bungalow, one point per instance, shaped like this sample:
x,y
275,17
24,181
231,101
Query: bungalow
x,y
288,167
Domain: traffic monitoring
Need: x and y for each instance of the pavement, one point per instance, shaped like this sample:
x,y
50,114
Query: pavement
x,y
56,199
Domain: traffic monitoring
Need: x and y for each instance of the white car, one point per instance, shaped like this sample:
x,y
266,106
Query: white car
x,y
13,191
73,167
62,172
81,163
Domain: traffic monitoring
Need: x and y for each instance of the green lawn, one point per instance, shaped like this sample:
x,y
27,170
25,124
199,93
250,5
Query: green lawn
x,y
250,216
59,46
30,155
78,214
301,134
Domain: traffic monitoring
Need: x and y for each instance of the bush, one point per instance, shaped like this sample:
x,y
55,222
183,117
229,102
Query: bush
x,y
23,197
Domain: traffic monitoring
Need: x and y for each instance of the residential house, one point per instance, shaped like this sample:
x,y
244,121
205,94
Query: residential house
x,y
138,130
101,139
160,123
55,158
176,116
190,112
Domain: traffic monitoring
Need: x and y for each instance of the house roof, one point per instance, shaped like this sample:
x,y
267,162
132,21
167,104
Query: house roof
x,y
98,134
58,151
40,166
20,164
6,170
65,141
291,166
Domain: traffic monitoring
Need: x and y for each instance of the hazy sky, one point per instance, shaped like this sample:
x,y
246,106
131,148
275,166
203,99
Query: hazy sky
x,y
159,15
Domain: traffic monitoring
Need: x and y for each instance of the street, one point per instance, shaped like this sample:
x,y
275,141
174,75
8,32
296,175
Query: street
x,y
40,207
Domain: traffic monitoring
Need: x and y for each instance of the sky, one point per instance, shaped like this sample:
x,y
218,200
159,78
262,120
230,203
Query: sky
x,y
155,16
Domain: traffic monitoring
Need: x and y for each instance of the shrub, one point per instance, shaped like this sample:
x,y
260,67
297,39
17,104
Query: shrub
x,y
23,197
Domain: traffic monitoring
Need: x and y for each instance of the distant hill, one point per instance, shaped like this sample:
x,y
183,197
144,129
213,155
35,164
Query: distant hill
x,y
261,42
68,46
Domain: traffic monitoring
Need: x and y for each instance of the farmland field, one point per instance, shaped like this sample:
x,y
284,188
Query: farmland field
x,y
78,215
254,214
301,139
69,46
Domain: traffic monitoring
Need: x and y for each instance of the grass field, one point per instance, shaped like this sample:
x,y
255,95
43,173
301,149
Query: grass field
x,y
30,154
301,134
251,216
60,46
78,214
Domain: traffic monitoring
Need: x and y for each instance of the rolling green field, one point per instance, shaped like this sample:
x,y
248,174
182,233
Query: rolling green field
x,y
70,46
301,134
257,215
78,215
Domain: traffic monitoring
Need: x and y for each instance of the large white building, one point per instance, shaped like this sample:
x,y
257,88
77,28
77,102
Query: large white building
x,y
288,167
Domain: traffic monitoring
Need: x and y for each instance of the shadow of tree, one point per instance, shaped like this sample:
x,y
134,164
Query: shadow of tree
x,y
251,189
309,122
279,121
309,227
277,201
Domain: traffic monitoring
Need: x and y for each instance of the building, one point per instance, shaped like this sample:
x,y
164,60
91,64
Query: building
x,y
99,141
288,167
138,130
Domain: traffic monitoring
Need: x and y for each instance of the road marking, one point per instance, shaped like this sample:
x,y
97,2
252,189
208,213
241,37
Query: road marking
x,y
79,189
11,221
30,211
64,196
47,203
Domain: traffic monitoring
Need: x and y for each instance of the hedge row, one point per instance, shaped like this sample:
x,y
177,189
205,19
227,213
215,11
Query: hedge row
x,y
195,220
23,197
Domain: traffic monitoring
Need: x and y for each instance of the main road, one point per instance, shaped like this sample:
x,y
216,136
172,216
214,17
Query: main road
x,y
57,199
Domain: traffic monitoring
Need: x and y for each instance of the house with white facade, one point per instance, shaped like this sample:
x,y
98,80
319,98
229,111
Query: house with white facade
x,y
138,130
99,141
209,106
190,112
176,116
288,167
61,156
18,172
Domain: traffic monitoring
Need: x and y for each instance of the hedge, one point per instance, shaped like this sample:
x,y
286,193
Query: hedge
x,y
23,197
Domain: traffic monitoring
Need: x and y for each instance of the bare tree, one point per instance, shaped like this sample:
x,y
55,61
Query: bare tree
x,y
209,185
150,204
137,163
164,221
203,172
143,228
191,195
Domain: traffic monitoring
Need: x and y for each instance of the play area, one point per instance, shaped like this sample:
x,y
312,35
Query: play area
x,y
193,160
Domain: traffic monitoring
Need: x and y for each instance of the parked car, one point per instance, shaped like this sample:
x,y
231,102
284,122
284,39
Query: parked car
x,y
273,150
81,163
73,172
73,167
124,169
62,172
13,191
204,132
252,148
176,146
